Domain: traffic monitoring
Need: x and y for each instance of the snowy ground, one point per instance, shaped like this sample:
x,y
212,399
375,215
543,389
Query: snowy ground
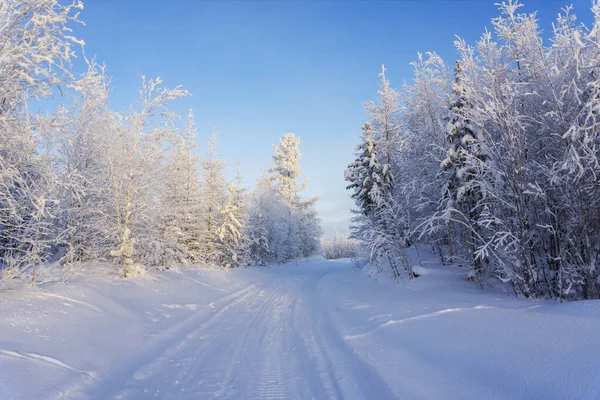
x,y
316,330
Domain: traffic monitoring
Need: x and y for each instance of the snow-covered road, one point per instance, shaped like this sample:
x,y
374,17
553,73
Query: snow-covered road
x,y
317,330
273,339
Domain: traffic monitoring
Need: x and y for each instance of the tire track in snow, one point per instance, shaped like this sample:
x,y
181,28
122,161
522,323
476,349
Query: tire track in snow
x,y
276,341
251,345
251,354
272,381
155,354
319,366
343,373
213,378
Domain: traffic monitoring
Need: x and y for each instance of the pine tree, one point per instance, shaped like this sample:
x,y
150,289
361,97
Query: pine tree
x,y
182,200
213,193
369,182
229,233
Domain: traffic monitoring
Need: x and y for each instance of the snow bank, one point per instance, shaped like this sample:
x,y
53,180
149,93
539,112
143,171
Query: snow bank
x,y
441,337
57,339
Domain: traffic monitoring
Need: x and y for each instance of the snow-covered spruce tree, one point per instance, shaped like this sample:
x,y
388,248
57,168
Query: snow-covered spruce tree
x,y
310,230
213,192
304,229
229,233
181,200
258,252
286,170
240,202
35,56
379,226
388,230
266,218
383,116
360,175
464,166
285,174
135,154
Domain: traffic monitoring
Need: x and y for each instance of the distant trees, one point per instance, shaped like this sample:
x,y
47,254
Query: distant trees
x,y
282,225
340,246
86,183
497,168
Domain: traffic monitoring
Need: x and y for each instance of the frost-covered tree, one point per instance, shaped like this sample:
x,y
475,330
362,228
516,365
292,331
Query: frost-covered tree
x,y
267,220
35,57
416,168
213,193
384,119
281,224
310,230
499,168
182,200
241,205
464,167
82,170
229,233
135,153
340,246
377,225
303,225
365,174
286,170
258,252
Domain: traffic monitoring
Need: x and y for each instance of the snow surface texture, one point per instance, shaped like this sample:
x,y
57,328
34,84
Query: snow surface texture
x,y
313,330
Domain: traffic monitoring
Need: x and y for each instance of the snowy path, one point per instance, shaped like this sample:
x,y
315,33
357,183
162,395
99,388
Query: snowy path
x,y
317,330
272,340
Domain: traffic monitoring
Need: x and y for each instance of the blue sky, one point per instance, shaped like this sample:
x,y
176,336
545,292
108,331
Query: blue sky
x,y
259,69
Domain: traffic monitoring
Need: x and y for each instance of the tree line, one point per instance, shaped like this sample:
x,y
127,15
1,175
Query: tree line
x,y
495,163
82,182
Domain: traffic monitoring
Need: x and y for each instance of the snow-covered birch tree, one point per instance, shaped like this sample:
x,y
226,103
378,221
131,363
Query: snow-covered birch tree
x,y
135,151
